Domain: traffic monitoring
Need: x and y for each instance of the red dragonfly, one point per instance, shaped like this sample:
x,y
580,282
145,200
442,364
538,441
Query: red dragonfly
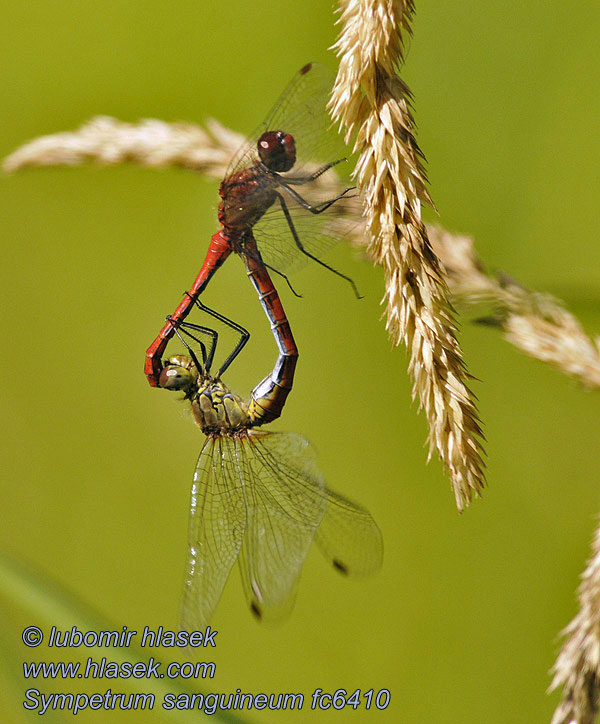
x,y
256,185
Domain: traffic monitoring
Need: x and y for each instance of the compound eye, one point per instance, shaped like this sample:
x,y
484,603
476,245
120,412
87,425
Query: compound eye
x,y
277,150
174,377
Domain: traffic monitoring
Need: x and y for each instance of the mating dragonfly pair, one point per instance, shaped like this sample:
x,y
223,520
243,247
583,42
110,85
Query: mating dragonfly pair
x,y
257,496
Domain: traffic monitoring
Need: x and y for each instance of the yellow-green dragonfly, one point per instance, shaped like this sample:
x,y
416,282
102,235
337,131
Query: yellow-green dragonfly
x,y
259,498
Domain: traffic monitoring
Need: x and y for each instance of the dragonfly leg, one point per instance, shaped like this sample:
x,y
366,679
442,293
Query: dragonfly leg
x,y
281,274
287,281
315,208
184,327
299,180
300,246
243,332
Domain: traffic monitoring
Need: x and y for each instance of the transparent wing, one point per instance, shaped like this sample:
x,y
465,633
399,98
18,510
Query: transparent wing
x,y
317,233
216,530
349,537
285,505
260,496
302,111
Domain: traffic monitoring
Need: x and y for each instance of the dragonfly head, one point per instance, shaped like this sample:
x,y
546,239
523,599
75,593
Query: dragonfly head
x,y
277,150
180,373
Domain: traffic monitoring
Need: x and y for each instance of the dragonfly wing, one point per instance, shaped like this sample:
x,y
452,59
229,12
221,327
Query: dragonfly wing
x,y
349,537
317,232
216,529
285,504
300,110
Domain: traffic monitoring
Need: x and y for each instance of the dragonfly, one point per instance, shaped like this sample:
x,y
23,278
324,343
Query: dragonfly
x,y
257,498
261,204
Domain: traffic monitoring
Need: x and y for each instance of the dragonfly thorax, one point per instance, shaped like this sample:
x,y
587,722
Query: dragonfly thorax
x,y
246,196
218,410
214,406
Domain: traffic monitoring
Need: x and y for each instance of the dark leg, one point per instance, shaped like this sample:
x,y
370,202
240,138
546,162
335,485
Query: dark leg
x,y
307,253
299,180
287,281
314,208
243,332
247,252
185,327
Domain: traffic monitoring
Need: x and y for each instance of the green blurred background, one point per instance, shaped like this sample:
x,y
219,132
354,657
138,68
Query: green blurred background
x,y
461,624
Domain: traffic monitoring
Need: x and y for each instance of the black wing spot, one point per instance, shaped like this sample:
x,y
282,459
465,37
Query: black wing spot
x,y
339,566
